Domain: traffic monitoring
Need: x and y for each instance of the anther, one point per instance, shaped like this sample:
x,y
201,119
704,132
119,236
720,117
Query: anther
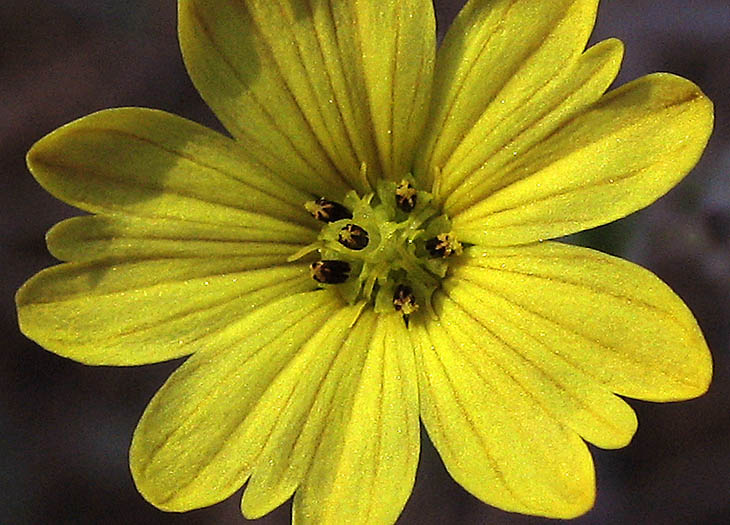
x,y
404,301
443,245
405,196
353,237
327,211
330,272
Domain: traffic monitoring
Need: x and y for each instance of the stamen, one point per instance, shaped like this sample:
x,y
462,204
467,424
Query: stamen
x,y
443,245
330,272
327,211
406,196
404,301
353,237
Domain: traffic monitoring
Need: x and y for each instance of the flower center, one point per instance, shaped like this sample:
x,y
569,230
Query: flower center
x,y
389,248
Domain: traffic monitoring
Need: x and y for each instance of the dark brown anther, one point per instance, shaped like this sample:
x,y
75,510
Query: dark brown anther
x,y
404,301
330,272
353,237
443,245
405,196
327,211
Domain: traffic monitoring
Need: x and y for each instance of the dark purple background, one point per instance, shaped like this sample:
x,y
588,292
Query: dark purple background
x,y
65,428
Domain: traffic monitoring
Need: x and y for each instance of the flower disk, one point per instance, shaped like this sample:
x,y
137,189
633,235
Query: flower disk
x,y
371,250
394,255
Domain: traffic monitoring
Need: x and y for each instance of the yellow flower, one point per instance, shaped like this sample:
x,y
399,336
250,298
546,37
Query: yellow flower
x,y
369,249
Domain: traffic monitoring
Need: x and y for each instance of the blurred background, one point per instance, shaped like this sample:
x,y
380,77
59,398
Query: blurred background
x,y
65,428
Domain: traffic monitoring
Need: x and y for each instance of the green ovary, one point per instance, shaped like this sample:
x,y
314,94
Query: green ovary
x,y
386,248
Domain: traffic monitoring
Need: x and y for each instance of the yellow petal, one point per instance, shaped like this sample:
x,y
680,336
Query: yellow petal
x,y
310,396
199,438
99,236
135,310
618,156
299,83
398,39
496,57
147,163
365,468
504,132
610,319
540,372
495,439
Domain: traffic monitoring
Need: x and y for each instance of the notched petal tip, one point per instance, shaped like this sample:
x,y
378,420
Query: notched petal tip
x,y
156,495
695,384
611,46
51,146
577,507
699,117
40,155
34,156
61,158
20,301
29,294
145,488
